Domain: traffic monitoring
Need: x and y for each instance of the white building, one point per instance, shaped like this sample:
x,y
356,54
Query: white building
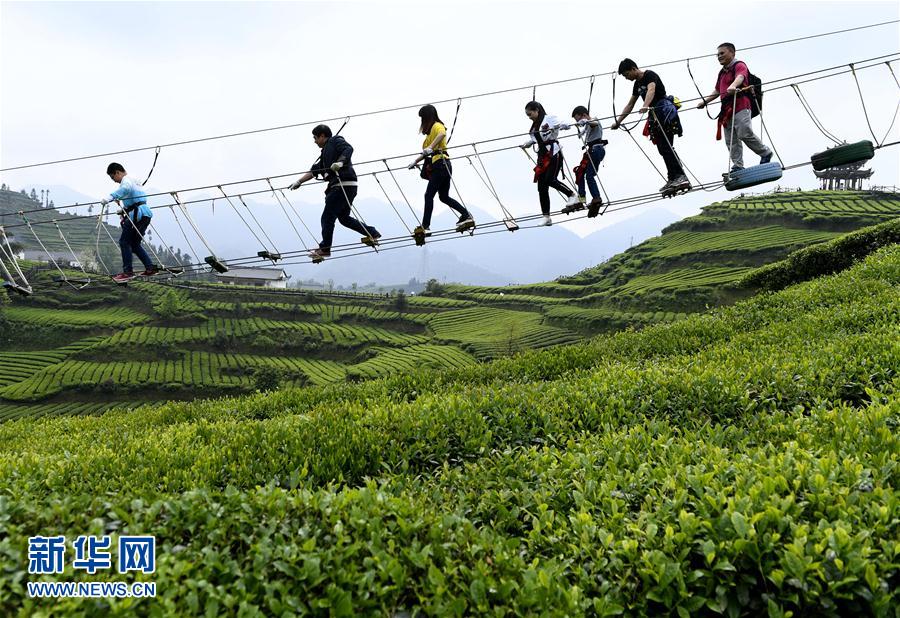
x,y
260,277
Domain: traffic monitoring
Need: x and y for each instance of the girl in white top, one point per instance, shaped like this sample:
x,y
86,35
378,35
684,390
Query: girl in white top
x,y
544,134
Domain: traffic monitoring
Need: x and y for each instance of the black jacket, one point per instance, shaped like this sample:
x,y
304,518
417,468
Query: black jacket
x,y
336,149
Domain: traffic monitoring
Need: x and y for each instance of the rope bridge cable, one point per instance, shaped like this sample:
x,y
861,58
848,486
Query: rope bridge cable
x,y
354,248
858,68
64,277
286,215
877,61
407,107
241,217
391,202
815,119
623,204
72,253
255,220
400,189
499,149
789,85
296,212
7,250
862,100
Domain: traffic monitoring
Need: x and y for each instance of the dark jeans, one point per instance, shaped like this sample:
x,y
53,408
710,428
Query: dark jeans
x,y
597,153
130,242
549,179
337,208
439,184
663,139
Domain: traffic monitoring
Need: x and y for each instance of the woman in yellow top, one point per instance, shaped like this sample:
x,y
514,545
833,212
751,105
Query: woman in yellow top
x,y
437,169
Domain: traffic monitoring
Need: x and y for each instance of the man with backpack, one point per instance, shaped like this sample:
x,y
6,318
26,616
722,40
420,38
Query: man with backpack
x,y
739,105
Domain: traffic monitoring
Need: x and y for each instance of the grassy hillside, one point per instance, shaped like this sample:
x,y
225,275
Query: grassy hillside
x,y
697,262
110,346
740,462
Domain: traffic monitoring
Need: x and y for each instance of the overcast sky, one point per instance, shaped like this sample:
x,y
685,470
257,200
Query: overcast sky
x,y
83,78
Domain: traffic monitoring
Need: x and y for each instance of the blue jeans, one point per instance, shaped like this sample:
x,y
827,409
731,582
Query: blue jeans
x,y
597,153
337,208
130,242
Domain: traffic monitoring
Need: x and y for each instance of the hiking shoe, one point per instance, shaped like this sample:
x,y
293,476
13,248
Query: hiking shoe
x,y
547,220
597,201
665,186
319,253
123,277
765,159
153,270
371,241
424,232
680,184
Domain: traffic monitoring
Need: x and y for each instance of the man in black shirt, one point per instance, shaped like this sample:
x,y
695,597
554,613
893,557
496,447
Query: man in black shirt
x,y
337,168
650,88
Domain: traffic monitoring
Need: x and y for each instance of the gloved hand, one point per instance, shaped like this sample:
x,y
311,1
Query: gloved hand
x,y
427,152
104,201
526,145
564,127
583,122
336,166
120,212
295,186
411,165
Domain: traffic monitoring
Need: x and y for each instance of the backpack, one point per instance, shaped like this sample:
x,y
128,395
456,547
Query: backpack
x,y
755,95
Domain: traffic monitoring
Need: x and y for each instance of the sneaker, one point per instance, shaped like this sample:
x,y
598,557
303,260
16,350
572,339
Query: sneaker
x,y
153,270
574,204
665,186
547,220
319,253
465,223
765,159
597,201
123,277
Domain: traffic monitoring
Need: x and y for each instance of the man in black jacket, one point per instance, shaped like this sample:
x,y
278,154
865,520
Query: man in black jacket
x,y
335,165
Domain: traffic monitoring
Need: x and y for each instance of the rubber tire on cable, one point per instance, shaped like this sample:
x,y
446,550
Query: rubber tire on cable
x,y
843,155
752,176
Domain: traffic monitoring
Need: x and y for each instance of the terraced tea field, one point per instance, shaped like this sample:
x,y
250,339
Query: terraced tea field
x,y
744,462
108,346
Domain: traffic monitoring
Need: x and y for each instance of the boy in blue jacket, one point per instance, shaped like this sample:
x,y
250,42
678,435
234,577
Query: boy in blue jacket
x,y
135,219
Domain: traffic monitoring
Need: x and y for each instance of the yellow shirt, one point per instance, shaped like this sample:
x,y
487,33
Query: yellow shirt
x,y
436,129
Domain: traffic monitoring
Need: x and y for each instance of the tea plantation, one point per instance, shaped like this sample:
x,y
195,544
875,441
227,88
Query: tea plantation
x,y
740,462
81,352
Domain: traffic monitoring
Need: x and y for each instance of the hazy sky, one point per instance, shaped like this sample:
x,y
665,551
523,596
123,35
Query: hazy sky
x,y
82,78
